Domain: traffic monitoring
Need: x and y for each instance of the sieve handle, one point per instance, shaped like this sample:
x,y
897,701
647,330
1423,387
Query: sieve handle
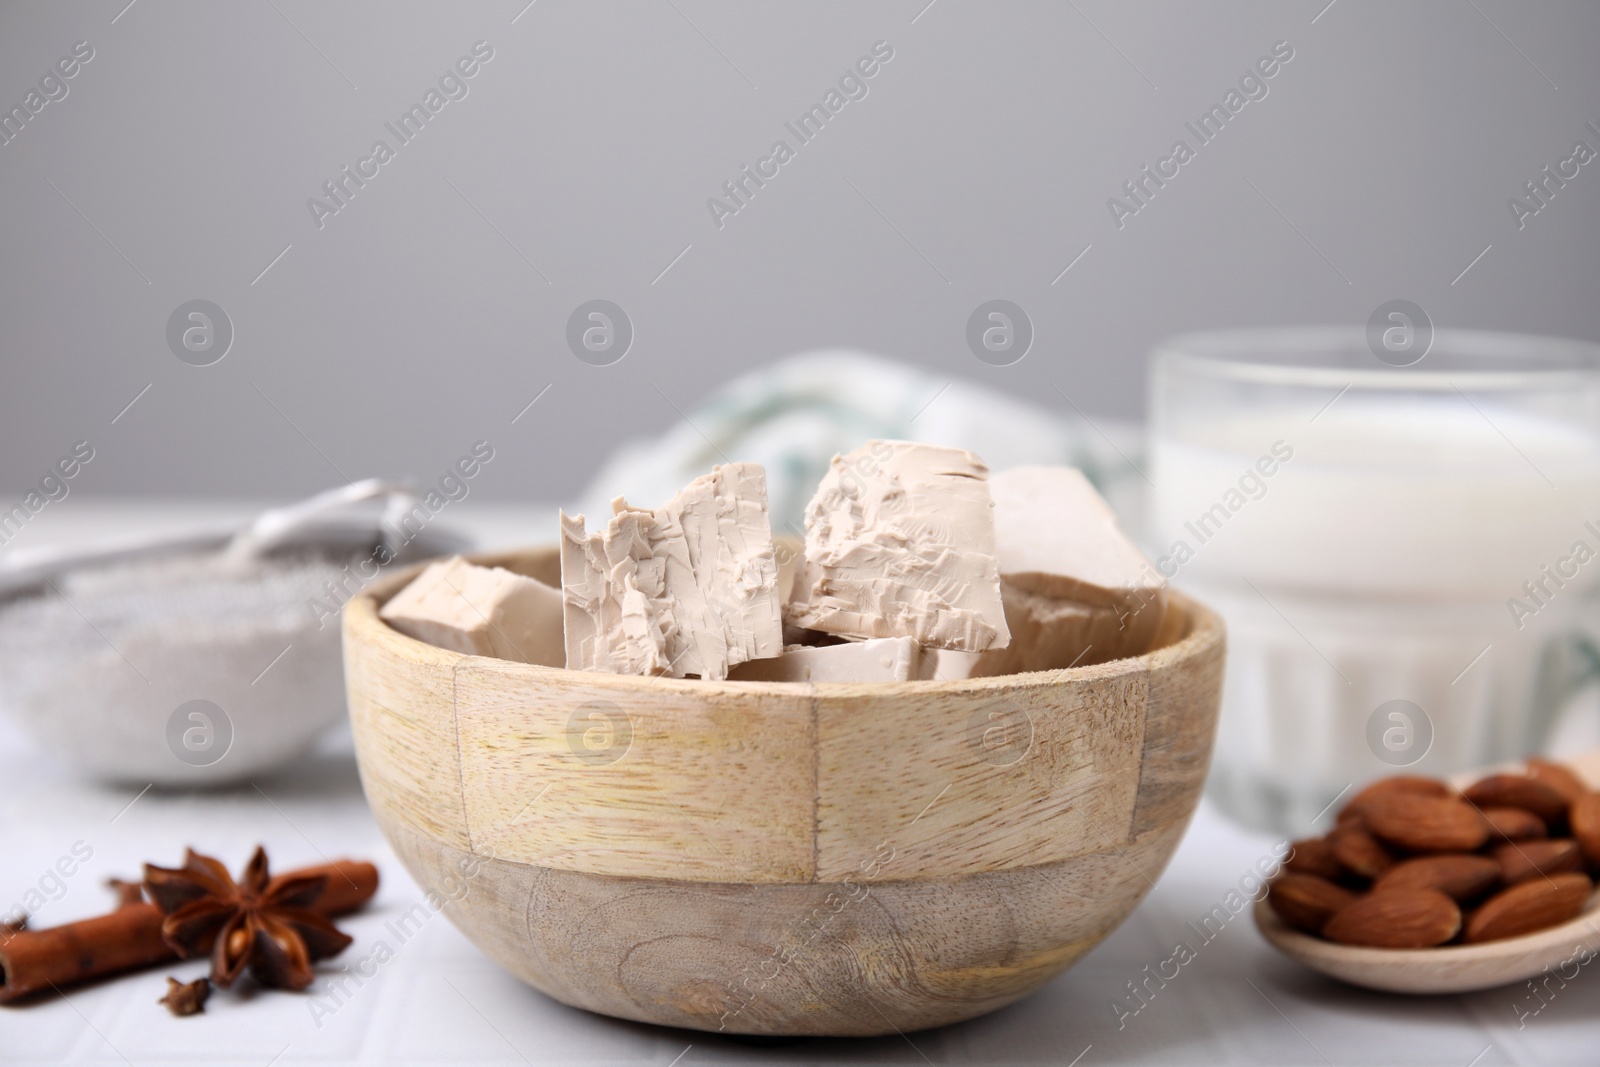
x,y
277,527
25,568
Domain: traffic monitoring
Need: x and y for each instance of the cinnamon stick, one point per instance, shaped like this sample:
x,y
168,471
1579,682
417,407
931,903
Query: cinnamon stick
x,y
129,938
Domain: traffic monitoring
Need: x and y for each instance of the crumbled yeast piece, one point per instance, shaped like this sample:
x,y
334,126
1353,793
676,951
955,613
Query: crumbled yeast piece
x,y
480,611
881,659
1077,590
687,589
900,543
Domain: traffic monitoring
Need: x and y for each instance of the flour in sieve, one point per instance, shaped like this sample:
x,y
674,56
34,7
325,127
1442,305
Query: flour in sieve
x,y
159,615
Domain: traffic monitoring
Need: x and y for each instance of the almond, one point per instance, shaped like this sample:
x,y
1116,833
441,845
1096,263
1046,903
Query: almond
x,y
1359,852
1459,877
1307,902
1532,905
1418,823
1585,820
1558,776
1519,791
1521,860
1399,918
1514,824
1315,856
1400,783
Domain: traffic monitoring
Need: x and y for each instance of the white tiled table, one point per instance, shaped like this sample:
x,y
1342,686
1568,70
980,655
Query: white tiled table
x,y
439,1001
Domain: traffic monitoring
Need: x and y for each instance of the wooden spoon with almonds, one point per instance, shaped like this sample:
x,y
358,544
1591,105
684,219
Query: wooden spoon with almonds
x,y
1457,968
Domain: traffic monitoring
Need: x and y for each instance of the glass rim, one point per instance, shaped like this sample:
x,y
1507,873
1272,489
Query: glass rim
x,y
1267,356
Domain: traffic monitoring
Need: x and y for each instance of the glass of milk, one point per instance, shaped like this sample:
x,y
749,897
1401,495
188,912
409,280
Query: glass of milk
x,y
1407,558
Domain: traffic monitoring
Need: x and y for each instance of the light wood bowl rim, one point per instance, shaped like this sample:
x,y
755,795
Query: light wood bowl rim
x,y
452,744
1202,628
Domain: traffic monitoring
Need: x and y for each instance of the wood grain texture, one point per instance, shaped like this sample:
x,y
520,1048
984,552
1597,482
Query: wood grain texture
x,y
914,853
978,776
402,709
840,959
401,695
1180,721
643,776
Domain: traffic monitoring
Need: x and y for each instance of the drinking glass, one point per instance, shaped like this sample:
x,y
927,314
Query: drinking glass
x,y
1407,557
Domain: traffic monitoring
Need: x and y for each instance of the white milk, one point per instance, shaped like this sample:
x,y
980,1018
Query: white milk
x,y
1378,553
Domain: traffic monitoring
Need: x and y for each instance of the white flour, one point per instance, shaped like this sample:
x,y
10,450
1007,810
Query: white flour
x,y
95,667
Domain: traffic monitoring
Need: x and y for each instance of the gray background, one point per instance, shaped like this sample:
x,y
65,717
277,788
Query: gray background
x,y
978,167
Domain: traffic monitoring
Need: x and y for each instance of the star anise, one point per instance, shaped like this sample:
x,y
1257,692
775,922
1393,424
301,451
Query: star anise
x,y
260,922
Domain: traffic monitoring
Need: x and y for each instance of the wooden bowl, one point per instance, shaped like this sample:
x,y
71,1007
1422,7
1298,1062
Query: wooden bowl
x,y
780,858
